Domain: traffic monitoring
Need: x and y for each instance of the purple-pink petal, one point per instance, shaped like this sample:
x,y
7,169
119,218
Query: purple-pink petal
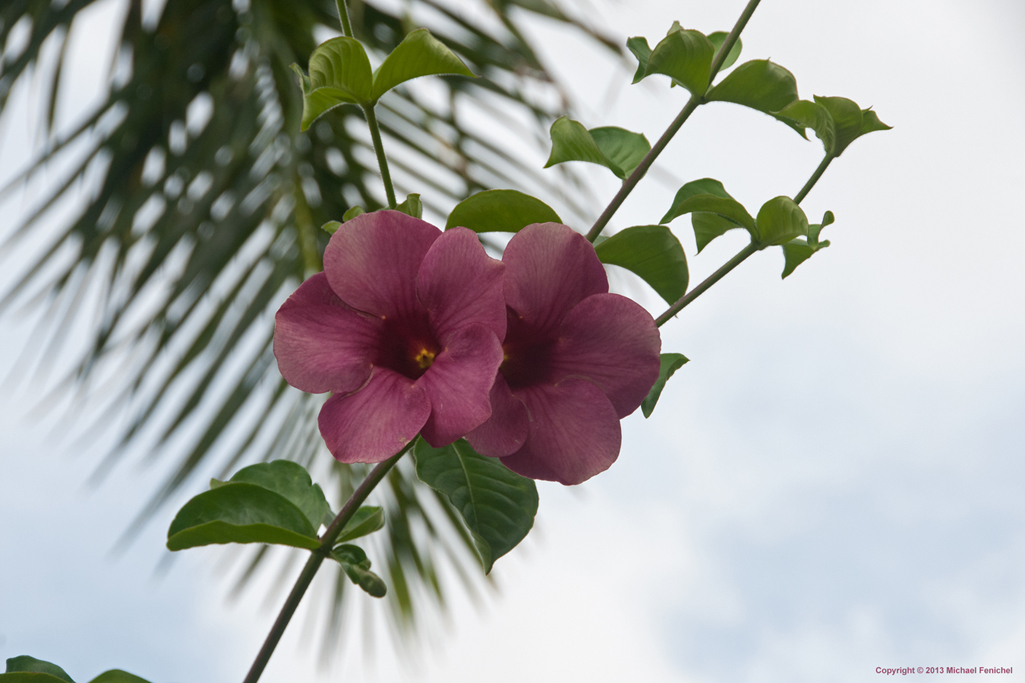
x,y
613,342
549,270
372,262
375,422
458,384
574,432
460,285
506,430
320,344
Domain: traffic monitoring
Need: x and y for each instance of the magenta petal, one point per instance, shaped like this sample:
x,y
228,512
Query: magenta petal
x,y
574,432
458,384
320,344
374,423
372,261
613,342
461,285
549,270
506,430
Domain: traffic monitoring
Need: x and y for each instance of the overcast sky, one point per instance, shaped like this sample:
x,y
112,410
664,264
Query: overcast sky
x,y
833,484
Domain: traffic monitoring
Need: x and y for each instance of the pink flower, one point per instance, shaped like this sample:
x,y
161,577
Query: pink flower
x,y
404,326
577,360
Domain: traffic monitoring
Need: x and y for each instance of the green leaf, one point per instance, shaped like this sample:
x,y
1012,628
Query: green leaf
x,y
291,480
31,677
356,566
118,676
870,122
412,206
686,57
419,54
759,84
623,148
803,114
669,364
653,253
26,664
798,251
339,74
847,117
717,39
240,513
500,211
572,142
709,195
367,520
639,47
331,227
708,226
497,504
780,220
352,213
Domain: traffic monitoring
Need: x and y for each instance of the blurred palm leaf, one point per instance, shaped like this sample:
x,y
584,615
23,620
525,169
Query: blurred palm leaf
x,y
203,214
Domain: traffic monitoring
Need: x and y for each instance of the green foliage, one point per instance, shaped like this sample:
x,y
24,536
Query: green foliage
x,y
419,54
718,211
684,56
331,227
717,39
800,250
25,669
616,149
850,120
340,71
411,206
365,521
497,505
287,479
500,211
780,220
240,513
356,566
30,665
653,253
758,84
669,364
802,114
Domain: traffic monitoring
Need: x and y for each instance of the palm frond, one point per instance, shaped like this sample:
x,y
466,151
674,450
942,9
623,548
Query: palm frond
x,y
208,201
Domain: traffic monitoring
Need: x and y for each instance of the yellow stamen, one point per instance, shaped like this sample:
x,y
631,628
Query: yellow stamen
x,y
424,359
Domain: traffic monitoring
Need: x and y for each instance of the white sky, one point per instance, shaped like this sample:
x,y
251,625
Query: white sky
x,y
834,483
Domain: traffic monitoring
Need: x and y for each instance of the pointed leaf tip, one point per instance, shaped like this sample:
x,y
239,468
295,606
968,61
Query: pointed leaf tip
x,y
669,363
758,84
419,54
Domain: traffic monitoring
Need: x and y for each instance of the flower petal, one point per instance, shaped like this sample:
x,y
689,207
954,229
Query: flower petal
x,y
461,285
574,432
612,341
321,345
506,430
458,384
372,261
549,270
374,423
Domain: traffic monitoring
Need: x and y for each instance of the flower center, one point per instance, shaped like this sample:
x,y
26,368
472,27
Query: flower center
x,y
424,359
527,354
407,345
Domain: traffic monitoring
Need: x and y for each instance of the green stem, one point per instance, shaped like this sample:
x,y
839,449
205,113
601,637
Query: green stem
x,y
799,197
708,282
317,557
693,103
343,16
741,255
382,160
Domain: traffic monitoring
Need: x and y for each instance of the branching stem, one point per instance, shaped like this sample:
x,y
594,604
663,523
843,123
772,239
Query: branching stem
x,y
693,103
317,557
